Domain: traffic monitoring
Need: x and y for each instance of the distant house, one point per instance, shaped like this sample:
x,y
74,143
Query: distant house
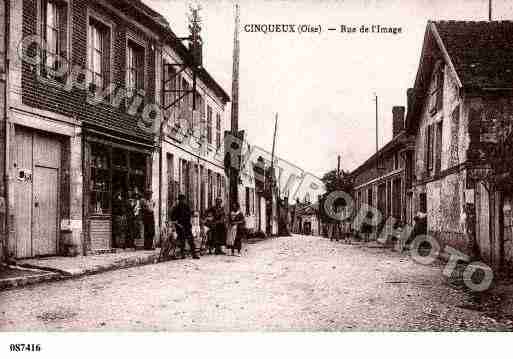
x,y
305,218
381,181
461,116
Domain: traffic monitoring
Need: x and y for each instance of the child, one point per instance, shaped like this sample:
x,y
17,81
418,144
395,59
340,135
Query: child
x,y
196,227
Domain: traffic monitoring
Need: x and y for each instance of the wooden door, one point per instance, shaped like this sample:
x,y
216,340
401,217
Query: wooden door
x,y
36,167
22,194
45,212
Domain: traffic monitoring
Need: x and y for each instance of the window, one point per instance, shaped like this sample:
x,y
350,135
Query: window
x,y
218,130
369,196
438,164
169,86
54,32
134,68
423,203
396,161
171,193
219,186
436,98
397,200
98,54
186,105
209,124
248,203
210,189
429,148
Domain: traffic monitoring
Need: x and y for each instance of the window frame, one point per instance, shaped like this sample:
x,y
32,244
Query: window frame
x,y
218,130
108,58
209,124
63,50
132,39
436,93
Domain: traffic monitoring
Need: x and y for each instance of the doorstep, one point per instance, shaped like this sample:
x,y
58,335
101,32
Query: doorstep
x,y
72,267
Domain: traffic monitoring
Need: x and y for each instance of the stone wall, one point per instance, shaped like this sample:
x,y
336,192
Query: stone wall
x,y
445,186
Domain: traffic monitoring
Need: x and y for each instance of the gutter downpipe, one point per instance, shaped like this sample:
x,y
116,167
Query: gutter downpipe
x,y
7,133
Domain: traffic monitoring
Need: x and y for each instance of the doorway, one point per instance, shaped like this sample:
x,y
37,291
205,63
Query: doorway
x,y
37,167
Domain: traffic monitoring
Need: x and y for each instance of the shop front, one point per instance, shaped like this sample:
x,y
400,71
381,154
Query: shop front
x,y
117,177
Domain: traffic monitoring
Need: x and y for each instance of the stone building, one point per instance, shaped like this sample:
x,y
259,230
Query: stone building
x,y
381,181
305,218
81,124
461,116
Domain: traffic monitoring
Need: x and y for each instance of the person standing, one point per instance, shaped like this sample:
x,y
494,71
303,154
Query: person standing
x,y
138,218
218,226
237,219
148,221
130,217
181,215
119,220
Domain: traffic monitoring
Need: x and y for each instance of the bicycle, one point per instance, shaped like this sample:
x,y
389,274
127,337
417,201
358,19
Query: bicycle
x,y
168,242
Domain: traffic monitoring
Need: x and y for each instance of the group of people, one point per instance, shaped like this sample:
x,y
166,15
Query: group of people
x,y
133,219
223,231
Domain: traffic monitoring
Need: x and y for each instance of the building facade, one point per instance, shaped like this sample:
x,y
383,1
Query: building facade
x,y
462,118
85,90
192,145
381,181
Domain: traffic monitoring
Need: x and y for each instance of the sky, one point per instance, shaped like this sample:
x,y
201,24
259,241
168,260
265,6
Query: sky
x,y
322,85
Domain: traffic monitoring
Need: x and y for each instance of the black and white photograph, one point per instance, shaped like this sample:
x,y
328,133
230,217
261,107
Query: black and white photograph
x,y
255,166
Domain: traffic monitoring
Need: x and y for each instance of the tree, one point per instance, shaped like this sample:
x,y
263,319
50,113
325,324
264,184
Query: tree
x,y
333,183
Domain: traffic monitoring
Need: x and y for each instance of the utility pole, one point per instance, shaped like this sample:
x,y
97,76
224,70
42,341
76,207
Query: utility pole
x,y
338,168
233,173
489,10
274,139
377,144
377,141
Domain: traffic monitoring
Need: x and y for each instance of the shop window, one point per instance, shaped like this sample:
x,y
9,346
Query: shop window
x,y
100,185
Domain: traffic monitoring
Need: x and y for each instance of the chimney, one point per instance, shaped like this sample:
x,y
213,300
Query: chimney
x,y
409,98
398,120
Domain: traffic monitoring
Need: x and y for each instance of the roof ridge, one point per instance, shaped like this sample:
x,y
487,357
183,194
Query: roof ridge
x,y
452,21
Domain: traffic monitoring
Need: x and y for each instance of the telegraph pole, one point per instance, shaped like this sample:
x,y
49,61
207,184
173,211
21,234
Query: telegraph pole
x,y
489,10
234,123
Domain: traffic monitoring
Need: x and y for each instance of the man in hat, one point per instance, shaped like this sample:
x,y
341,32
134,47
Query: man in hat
x,y
181,215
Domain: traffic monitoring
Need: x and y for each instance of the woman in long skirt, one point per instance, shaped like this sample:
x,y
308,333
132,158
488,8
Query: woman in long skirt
x,y
237,221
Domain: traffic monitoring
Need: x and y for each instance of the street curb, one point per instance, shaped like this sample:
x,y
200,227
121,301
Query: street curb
x,y
57,274
17,282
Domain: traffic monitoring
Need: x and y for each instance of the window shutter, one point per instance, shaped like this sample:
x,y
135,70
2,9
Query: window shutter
x,y
426,150
63,30
439,132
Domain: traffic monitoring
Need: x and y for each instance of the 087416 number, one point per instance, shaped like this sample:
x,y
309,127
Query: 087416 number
x,y
25,347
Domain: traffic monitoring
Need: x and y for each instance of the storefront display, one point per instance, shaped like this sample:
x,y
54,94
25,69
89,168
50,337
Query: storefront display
x,y
117,181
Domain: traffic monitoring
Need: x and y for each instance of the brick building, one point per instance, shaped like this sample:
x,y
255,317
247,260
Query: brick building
x,y
461,116
381,181
80,122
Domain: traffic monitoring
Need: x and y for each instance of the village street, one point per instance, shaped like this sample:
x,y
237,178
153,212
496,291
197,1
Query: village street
x,y
292,283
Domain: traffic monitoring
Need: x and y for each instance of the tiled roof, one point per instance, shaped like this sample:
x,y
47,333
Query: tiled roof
x,y
481,51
